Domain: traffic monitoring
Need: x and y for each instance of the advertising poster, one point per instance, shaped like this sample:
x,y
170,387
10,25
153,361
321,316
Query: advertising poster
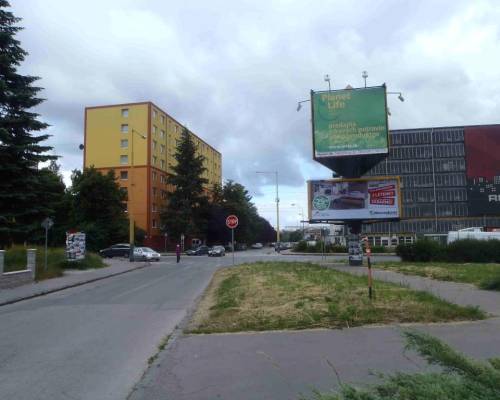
x,y
354,199
75,246
350,122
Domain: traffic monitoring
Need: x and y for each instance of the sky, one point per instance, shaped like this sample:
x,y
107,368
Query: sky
x,y
233,72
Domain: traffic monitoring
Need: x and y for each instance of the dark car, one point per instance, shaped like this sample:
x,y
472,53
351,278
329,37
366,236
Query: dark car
x,y
198,251
217,251
117,250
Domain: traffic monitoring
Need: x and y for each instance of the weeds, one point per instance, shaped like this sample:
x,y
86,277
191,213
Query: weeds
x,y
462,378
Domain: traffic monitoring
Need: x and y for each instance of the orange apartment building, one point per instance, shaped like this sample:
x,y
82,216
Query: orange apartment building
x,y
138,141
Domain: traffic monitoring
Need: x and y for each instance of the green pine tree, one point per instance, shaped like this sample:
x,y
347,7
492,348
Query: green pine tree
x,y
21,150
186,210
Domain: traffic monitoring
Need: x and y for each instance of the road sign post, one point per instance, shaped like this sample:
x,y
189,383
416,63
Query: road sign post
x,y
232,223
47,224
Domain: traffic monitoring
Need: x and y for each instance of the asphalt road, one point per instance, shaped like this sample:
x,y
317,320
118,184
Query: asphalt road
x,y
93,341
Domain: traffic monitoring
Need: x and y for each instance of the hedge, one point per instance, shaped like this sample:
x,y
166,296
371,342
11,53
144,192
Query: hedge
x,y
460,251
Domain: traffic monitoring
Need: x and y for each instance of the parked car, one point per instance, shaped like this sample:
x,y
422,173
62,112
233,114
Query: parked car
x,y
117,250
217,251
257,246
198,251
145,254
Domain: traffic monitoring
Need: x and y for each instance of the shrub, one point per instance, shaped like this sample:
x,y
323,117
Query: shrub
x,y
378,249
422,250
301,246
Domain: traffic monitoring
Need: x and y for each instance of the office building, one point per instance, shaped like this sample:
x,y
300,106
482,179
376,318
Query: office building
x,y
450,180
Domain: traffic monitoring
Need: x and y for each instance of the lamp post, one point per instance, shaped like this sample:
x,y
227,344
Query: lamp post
x,y
364,75
327,79
131,226
302,215
277,205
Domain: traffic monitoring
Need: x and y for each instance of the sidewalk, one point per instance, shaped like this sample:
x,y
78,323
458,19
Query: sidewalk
x,y
70,279
286,364
463,294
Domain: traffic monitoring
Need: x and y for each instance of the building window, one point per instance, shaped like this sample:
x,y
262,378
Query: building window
x,y
154,223
154,207
125,192
124,175
162,134
176,128
123,159
124,128
154,175
162,149
124,143
154,192
162,164
154,145
155,129
124,112
154,160
163,119
155,114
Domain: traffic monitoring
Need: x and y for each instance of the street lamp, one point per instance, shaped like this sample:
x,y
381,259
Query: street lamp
x,y
400,97
131,226
299,104
302,215
364,75
277,205
327,79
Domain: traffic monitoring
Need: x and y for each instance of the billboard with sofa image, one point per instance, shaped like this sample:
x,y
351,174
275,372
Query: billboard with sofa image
x,y
354,199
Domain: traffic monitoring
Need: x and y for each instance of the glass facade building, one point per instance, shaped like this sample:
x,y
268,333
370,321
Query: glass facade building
x,y
450,179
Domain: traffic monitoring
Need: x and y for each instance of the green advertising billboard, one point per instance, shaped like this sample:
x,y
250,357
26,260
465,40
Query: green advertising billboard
x,y
350,122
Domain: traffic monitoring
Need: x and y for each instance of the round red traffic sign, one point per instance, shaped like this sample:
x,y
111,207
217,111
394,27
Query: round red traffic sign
x,y
232,221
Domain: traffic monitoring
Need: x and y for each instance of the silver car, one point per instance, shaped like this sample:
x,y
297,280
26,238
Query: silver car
x,y
217,251
145,254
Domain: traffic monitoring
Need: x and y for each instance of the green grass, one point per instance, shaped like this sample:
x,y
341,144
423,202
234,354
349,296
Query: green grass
x,y
461,378
295,295
15,260
484,276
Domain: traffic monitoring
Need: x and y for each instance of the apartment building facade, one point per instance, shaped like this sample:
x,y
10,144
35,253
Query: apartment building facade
x,y
138,142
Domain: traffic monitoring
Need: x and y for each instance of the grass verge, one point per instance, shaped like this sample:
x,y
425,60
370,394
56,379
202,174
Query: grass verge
x,y
461,378
484,276
15,260
295,295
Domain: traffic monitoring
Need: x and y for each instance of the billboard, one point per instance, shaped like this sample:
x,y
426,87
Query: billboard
x,y
354,199
349,122
482,154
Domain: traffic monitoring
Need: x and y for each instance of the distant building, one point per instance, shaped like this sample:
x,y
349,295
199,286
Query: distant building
x,y
109,132
450,180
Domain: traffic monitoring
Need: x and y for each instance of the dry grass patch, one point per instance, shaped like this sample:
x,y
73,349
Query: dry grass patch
x,y
294,295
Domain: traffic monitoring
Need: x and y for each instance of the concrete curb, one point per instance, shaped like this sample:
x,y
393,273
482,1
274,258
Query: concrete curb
x,y
289,253
69,286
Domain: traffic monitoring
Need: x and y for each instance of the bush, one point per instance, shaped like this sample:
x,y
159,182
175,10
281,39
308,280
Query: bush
x,y
491,283
378,249
460,251
303,247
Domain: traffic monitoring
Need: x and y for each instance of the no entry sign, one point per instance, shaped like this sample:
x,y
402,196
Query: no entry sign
x,y
232,221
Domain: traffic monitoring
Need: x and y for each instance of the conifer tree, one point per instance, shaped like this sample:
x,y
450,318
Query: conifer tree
x,y
186,209
21,148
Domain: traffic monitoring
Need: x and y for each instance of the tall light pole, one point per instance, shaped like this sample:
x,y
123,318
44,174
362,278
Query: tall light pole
x,y
327,79
364,75
131,226
302,215
277,204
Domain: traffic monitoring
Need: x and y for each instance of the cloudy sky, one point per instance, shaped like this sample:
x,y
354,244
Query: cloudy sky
x,y
233,71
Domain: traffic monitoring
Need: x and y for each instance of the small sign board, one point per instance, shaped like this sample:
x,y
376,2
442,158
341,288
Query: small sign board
x,y
47,223
232,221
